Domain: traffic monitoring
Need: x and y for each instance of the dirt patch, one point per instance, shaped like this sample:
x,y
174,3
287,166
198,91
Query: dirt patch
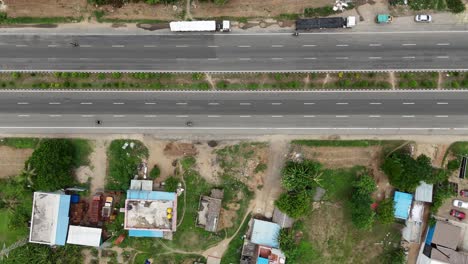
x,y
206,163
241,8
158,157
144,11
46,8
227,216
435,152
177,149
98,165
12,160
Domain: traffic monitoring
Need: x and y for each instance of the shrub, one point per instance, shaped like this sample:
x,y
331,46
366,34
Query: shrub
x,y
294,205
319,11
170,184
57,74
252,86
385,211
455,6
453,164
221,85
455,84
197,76
260,168
203,86
15,75
362,215
101,76
116,75
413,84
155,172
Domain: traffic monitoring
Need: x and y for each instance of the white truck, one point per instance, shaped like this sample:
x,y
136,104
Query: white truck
x,y
196,26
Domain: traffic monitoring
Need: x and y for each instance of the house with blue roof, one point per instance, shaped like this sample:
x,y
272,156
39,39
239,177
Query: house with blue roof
x,y
403,203
49,218
150,213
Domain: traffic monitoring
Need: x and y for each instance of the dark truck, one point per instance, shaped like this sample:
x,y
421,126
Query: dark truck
x,y
326,22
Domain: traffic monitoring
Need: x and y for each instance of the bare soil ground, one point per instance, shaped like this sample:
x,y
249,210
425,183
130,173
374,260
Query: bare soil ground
x,y
434,151
144,11
46,8
242,8
12,160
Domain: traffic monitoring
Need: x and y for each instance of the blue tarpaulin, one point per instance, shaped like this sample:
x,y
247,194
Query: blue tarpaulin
x,y
402,204
145,233
430,234
150,195
62,220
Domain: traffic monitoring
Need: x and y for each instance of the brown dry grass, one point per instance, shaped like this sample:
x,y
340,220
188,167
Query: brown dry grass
x,y
46,8
12,160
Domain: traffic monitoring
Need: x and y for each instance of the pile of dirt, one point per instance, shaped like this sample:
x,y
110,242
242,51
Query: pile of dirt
x,y
177,149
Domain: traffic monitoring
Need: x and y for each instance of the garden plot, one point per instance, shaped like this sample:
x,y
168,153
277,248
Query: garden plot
x,y
455,80
358,81
417,80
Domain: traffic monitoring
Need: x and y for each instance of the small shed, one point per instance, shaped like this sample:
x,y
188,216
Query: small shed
x,y
402,204
84,236
209,210
282,219
265,233
424,192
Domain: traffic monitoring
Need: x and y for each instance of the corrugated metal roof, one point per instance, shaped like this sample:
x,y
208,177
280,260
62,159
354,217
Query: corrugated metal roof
x,y
282,219
145,233
402,204
151,195
424,192
265,233
85,236
62,220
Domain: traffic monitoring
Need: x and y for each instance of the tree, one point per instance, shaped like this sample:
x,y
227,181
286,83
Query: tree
x,y
364,185
362,216
155,172
294,205
298,176
52,163
455,6
385,211
394,256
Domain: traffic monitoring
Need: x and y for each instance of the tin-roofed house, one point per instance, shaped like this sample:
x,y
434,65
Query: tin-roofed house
x,y
49,218
402,204
209,209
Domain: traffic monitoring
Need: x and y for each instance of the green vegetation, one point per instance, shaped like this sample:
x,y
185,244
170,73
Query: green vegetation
x,y
337,183
123,163
170,184
155,172
296,251
455,6
394,256
51,165
459,148
319,11
421,80
338,143
362,215
442,192
385,211
405,173
20,143
81,150
4,19
234,250
260,168
37,253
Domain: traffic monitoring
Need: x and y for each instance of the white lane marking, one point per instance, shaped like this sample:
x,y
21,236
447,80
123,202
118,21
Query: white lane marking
x,y
309,45
309,116
409,57
243,46
87,115
341,58
407,116
181,103
375,45
408,103
52,46
181,46
22,103
244,116
85,46
341,103
86,103
21,45
214,116
118,103
276,58
310,58
245,103
309,103
277,46
182,116
341,116
213,59
213,46
375,58
23,115
276,116
276,103
342,45
149,46
150,103
408,44
244,59
442,103
375,103
55,103
374,116
443,44
118,46
442,57
213,103
150,115
441,115
118,115
55,115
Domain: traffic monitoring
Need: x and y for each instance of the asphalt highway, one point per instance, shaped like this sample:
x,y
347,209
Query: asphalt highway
x,y
250,112
228,52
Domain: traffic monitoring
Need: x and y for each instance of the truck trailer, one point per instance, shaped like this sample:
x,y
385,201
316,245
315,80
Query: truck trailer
x,y
195,26
326,22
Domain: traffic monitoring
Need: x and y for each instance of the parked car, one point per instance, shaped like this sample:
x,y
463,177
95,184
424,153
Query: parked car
x,y
457,214
423,18
460,204
464,193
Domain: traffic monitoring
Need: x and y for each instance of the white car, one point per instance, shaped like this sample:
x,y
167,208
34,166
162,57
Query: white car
x,y
460,204
423,18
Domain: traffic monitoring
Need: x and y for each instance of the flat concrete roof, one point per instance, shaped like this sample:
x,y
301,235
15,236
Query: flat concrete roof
x,y
85,236
149,214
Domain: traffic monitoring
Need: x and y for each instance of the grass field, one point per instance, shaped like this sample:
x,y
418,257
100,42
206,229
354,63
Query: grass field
x,y
20,142
7,234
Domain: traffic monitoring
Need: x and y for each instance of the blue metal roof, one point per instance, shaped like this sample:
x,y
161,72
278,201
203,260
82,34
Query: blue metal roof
x,y
430,235
261,260
151,195
402,204
62,220
265,233
145,233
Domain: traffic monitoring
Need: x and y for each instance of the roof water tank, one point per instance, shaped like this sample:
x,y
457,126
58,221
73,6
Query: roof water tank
x,y
75,198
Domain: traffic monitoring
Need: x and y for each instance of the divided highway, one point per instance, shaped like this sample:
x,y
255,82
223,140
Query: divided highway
x,y
364,112
238,52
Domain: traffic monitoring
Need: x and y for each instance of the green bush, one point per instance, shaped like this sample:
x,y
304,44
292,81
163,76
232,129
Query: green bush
x,y
221,85
385,211
413,84
253,86
260,168
155,172
453,164
170,184
362,215
15,75
294,205
197,76
455,6
319,11
455,84
101,76
116,75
